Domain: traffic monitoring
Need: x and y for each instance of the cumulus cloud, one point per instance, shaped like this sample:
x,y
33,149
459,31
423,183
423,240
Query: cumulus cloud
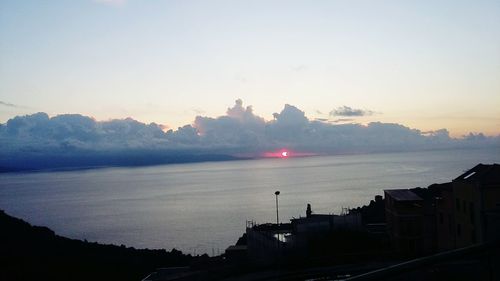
x,y
40,141
240,127
349,111
38,131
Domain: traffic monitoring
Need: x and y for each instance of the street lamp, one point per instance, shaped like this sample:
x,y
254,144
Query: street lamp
x,y
277,214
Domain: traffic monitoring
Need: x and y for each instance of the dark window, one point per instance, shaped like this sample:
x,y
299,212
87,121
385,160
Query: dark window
x,y
473,236
457,203
440,218
459,229
464,206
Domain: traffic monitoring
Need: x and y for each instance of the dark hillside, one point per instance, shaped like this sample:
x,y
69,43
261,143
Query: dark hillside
x,y
37,253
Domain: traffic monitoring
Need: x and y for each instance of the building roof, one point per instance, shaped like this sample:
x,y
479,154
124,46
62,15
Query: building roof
x,y
402,195
483,173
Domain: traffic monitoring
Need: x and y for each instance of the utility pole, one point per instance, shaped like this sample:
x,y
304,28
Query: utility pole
x,y
277,214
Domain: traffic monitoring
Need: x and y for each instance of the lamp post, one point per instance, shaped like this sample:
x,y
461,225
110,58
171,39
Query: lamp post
x,y
277,214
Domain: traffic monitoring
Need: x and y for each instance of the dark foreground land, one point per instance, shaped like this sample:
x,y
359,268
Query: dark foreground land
x,y
36,253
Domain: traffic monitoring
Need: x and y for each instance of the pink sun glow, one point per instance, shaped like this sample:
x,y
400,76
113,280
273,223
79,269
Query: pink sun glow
x,y
285,153
282,153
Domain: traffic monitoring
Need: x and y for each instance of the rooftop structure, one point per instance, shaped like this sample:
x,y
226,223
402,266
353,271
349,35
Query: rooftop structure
x,y
402,195
476,205
486,174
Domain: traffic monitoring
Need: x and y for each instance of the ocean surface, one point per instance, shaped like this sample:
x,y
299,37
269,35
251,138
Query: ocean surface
x,y
203,207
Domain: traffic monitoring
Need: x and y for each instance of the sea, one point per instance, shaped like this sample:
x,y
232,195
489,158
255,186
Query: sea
x,y
202,208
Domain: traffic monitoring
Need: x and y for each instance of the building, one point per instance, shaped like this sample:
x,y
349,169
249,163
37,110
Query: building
x,y
310,230
324,223
268,243
445,217
476,205
404,214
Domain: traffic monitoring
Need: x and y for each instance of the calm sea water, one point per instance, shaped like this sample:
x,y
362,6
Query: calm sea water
x,y
202,207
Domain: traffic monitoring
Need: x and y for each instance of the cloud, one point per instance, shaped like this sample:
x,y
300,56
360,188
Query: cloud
x,y
75,131
40,141
240,127
340,120
8,104
322,119
349,111
164,127
290,116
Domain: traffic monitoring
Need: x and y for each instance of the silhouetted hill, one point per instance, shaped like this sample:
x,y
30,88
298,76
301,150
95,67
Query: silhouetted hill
x,y
74,160
37,253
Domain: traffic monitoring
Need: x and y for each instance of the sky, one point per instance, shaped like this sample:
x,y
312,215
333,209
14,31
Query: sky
x,y
424,64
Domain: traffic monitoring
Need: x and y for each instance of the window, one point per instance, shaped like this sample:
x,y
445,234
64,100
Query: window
x,y
440,218
469,175
464,206
457,203
459,230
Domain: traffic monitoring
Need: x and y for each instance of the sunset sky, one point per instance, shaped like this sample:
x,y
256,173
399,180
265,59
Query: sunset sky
x,y
424,64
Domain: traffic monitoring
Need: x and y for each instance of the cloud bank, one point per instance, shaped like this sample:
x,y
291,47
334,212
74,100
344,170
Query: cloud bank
x,y
71,140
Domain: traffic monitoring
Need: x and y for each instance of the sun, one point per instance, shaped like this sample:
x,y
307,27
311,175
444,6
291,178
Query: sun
x,y
282,153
